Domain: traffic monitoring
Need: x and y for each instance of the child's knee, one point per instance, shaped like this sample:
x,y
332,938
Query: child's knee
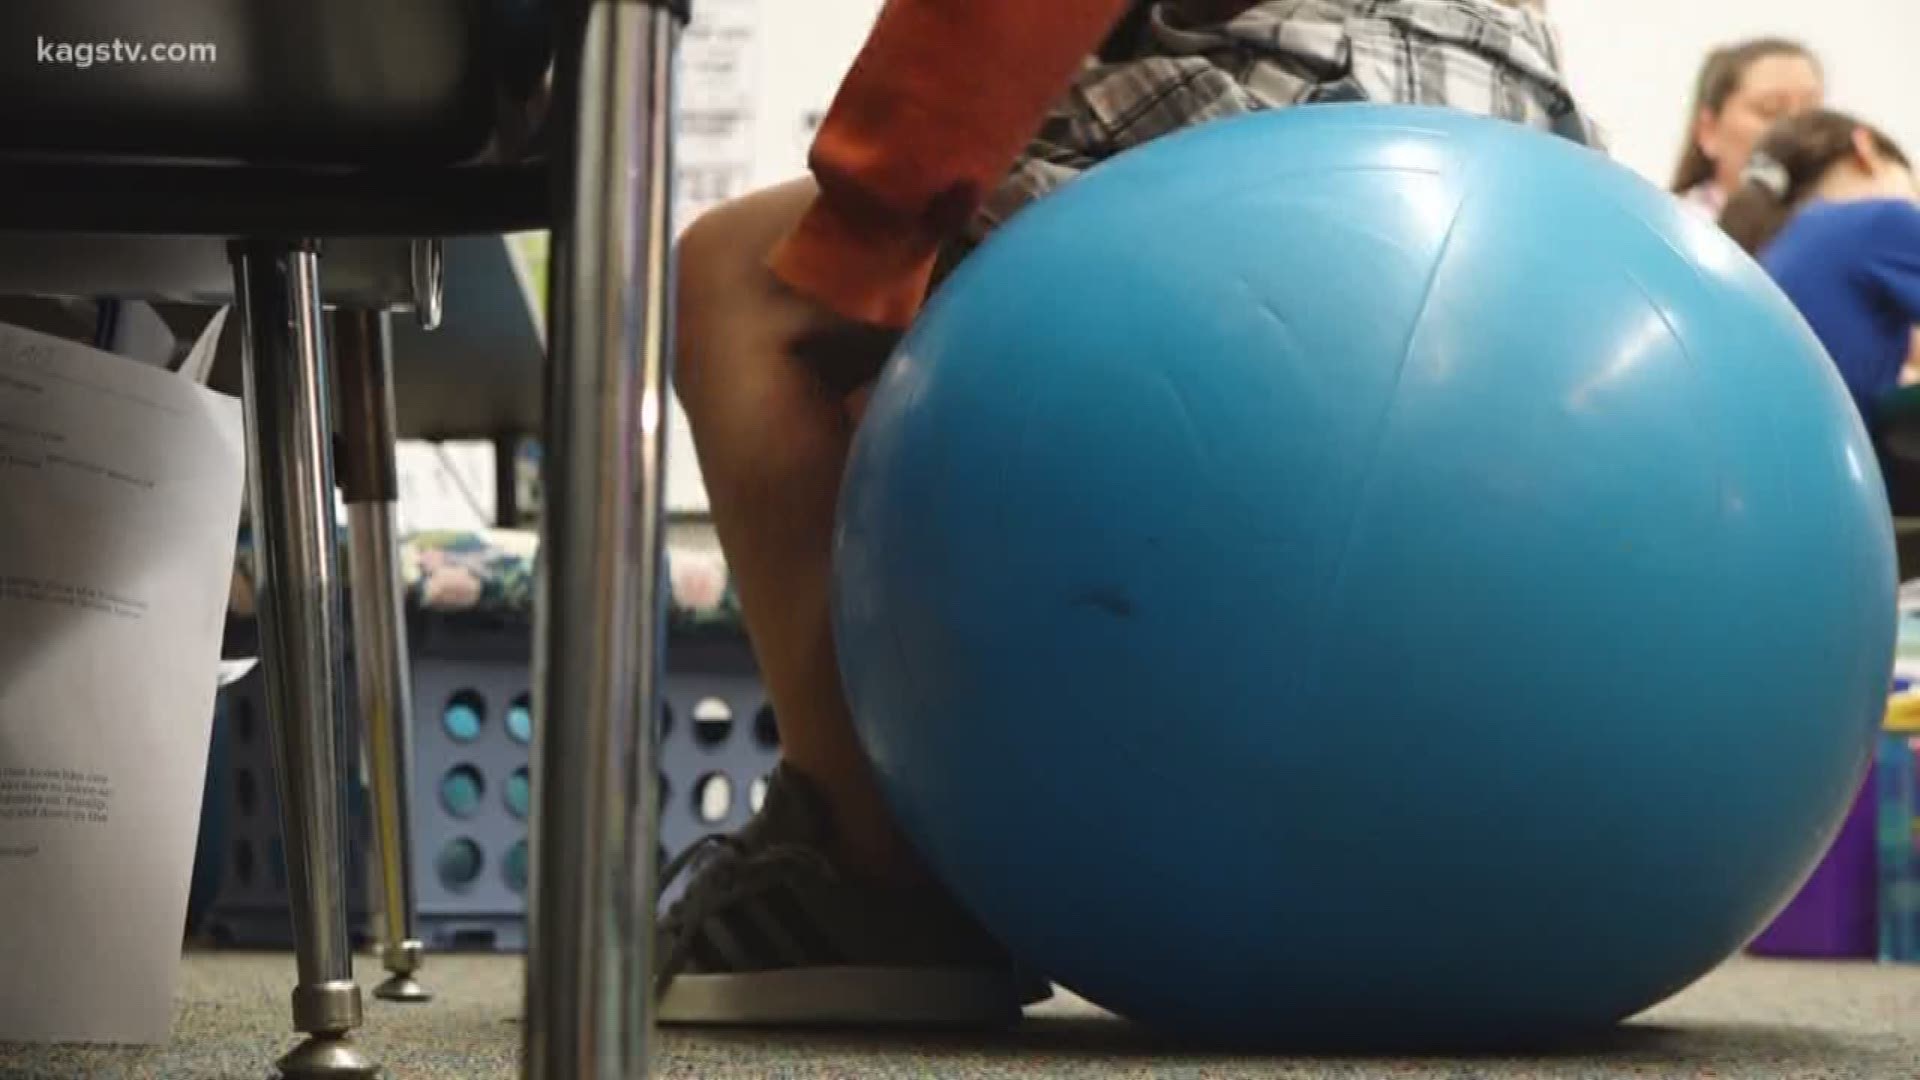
x,y
720,268
711,281
731,242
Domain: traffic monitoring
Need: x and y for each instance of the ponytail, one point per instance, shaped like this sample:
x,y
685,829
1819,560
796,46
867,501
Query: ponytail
x,y
1761,206
1787,167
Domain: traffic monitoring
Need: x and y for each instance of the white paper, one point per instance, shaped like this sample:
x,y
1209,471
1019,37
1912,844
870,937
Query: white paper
x,y
232,671
444,485
120,488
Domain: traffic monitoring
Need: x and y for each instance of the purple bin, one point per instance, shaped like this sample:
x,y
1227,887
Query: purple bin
x,y
1836,914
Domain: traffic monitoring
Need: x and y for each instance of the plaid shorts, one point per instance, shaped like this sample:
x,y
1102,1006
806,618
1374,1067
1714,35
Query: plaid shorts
x,y
1482,56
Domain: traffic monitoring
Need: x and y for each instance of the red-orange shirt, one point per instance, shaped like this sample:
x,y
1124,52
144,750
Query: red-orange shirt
x,y
941,100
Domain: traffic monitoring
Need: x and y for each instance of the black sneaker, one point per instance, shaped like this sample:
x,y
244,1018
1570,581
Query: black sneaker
x,y
770,933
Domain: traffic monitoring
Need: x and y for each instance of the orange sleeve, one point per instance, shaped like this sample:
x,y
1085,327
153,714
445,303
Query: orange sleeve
x,y
941,100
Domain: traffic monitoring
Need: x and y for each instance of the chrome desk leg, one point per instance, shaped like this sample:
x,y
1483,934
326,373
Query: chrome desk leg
x,y
598,646
289,432
363,352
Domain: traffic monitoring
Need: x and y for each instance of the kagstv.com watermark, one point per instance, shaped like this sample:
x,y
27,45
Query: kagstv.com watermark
x,y
86,54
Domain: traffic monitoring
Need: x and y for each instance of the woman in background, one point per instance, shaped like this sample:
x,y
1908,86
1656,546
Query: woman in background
x,y
1829,206
1742,91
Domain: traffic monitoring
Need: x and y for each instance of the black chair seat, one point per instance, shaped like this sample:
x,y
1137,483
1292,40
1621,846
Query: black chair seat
x,y
308,117
395,83
150,198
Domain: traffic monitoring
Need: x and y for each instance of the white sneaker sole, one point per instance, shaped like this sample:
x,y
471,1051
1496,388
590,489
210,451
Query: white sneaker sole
x,y
844,996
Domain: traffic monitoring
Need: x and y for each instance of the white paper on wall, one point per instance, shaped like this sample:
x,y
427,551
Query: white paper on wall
x,y
808,127
444,485
715,114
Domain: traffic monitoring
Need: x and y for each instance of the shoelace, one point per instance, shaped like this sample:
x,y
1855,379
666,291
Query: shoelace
x,y
728,872
679,863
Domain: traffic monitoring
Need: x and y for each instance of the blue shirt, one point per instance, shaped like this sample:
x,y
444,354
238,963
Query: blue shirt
x,y
1853,270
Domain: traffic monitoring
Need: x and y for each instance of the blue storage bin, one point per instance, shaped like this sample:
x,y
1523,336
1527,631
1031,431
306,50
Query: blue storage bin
x,y
471,786
242,859
469,599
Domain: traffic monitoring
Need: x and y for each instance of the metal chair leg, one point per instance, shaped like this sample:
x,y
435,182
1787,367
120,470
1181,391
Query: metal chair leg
x,y
300,635
506,482
599,640
362,348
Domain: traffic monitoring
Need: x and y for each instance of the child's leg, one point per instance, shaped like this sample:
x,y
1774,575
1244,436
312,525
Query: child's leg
x,y
773,441
815,912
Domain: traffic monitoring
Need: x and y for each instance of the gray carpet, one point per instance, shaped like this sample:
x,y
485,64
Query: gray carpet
x,y
1749,1021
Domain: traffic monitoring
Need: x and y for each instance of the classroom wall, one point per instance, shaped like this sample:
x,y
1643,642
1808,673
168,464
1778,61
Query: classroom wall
x,y
755,75
1633,61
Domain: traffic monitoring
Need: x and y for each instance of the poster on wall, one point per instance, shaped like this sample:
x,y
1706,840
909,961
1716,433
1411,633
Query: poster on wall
x,y
714,140
755,78
714,116
810,122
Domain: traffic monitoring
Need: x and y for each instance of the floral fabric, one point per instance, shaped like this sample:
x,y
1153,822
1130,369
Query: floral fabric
x,y
492,573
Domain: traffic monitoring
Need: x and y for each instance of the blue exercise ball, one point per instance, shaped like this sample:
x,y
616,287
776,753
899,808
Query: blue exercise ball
x,y
1365,572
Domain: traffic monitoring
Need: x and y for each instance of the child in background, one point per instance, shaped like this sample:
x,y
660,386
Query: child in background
x,y
955,115
1829,206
